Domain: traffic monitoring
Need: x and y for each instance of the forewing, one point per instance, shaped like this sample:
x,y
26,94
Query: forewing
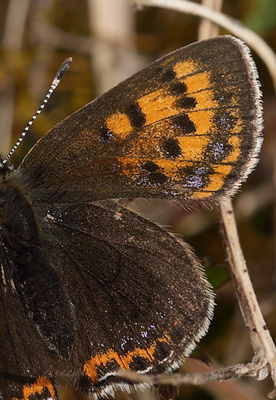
x,y
187,125
141,300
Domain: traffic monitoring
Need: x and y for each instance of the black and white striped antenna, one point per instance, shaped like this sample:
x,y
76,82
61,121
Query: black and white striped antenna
x,y
59,75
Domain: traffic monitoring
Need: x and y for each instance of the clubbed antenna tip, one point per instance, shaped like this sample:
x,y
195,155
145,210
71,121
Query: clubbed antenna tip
x,y
64,68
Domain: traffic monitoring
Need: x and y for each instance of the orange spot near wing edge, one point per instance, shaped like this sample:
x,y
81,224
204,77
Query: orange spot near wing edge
x,y
37,388
123,361
187,67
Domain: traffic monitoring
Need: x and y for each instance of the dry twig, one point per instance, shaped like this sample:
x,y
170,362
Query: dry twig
x,y
222,374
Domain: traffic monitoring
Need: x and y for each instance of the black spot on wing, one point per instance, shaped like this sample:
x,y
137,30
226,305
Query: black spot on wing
x,y
171,148
186,102
196,178
168,75
157,178
135,115
155,175
150,166
177,88
218,149
105,134
183,124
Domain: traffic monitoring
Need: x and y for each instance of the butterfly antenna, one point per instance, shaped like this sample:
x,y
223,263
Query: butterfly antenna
x,y
59,75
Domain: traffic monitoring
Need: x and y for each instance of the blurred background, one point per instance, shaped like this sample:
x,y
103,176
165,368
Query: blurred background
x,y
109,40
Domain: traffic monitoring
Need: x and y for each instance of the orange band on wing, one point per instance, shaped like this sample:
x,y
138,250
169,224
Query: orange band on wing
x,y
90,368
37,388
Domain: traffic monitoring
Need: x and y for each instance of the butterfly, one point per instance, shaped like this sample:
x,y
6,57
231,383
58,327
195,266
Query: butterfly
x,y
88,286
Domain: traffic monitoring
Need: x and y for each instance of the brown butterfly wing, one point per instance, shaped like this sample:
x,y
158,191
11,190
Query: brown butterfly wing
x,y
140,298
188,125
